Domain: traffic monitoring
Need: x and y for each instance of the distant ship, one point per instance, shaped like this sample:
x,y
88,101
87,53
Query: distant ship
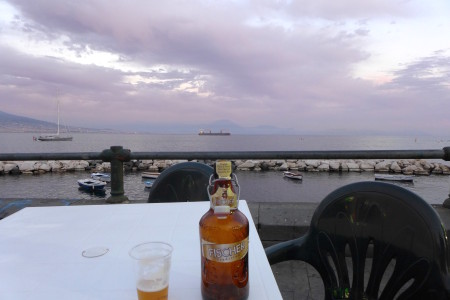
x,y
209,132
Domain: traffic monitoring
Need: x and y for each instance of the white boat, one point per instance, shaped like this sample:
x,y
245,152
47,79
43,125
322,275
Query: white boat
x,y
106,177
91,184
292,175
396,177
55,137
149,183
150,175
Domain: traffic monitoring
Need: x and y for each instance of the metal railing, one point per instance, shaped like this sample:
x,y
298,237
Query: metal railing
x,y
116,155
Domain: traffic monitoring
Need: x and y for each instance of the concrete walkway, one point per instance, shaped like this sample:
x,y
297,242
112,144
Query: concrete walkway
x,y
275,222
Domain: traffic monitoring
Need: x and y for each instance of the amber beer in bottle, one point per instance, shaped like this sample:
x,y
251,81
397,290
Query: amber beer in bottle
x,y
224,239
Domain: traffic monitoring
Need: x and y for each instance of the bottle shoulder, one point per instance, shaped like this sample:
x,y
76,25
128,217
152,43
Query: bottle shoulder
x,y
234,218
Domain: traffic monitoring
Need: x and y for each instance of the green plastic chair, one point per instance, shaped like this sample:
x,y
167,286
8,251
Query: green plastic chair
x,y
186,181
393,225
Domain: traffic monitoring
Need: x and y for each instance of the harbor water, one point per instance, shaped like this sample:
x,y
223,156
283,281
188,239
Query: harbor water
x,y
261,186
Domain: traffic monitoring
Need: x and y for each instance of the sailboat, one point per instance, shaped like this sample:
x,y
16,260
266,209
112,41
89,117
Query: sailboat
x,y
55,137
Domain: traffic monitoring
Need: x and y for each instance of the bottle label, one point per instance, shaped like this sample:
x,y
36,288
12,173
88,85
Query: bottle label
x,y
225,253
224,196
223,169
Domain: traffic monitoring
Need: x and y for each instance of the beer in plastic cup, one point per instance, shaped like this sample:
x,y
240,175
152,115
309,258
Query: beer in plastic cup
x,y
152,268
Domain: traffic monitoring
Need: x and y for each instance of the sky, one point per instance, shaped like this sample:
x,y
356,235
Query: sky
x,y
305,67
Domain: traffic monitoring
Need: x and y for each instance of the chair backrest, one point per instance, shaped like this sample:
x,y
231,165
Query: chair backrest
x,y
186,181
393,225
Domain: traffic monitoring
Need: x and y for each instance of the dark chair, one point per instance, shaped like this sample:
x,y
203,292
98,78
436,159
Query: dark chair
x,y
186,181
394,226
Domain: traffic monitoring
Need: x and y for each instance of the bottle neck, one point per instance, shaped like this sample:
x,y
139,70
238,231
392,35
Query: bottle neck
x,y
223,194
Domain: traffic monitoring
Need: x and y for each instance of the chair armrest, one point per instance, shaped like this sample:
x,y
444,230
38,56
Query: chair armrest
x,y
290,250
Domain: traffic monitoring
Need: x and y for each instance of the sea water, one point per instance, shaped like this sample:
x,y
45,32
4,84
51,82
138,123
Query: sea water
x,y
268,186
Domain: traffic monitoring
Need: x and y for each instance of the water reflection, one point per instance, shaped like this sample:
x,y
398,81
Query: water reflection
x,y
270,186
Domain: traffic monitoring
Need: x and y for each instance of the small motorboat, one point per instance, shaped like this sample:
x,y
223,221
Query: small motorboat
x,y
292,175
149,183
395,177
150,175
106,177
91,184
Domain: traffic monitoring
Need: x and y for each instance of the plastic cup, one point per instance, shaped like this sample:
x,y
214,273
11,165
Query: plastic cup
x,y
152,269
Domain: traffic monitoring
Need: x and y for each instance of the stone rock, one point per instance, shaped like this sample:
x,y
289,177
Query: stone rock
x,y
426,165
292,165
353,167
367,166
27,166
344,166
153,168
312,163
409,170
8,167
280,162
395,167
160,164
15,170
67,165
421,171
271,163
445,170
335,165
55,165
284,167
324,167
301,165
436,169
383,166
236,162
248,164
2,166
45,167
169,163
143,166
264,166
80,165
106,166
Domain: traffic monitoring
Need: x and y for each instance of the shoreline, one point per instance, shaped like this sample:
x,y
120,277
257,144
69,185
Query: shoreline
x,y
404,166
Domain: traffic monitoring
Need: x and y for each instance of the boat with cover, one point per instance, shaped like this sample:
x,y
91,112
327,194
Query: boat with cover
x,y
55,137
292,175
149,183
91,184
395,177
106,177
150,175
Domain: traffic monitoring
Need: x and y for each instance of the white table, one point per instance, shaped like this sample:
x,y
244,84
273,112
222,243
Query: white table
x,y
40,251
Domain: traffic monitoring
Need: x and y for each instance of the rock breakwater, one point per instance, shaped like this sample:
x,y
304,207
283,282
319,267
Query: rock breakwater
x,y
407,167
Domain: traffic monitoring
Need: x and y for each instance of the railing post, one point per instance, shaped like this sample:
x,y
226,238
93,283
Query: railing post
x,y
446,157
116,155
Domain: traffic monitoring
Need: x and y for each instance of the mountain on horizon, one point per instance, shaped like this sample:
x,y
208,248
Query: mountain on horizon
x,y
15,123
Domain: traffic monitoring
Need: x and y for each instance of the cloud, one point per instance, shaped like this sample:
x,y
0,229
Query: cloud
x,y
282,63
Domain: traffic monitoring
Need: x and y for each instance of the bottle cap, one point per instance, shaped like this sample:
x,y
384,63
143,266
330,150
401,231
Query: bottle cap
x,y
223,169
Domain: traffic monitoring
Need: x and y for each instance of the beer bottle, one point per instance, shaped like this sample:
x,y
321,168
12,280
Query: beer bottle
x,y
224,241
